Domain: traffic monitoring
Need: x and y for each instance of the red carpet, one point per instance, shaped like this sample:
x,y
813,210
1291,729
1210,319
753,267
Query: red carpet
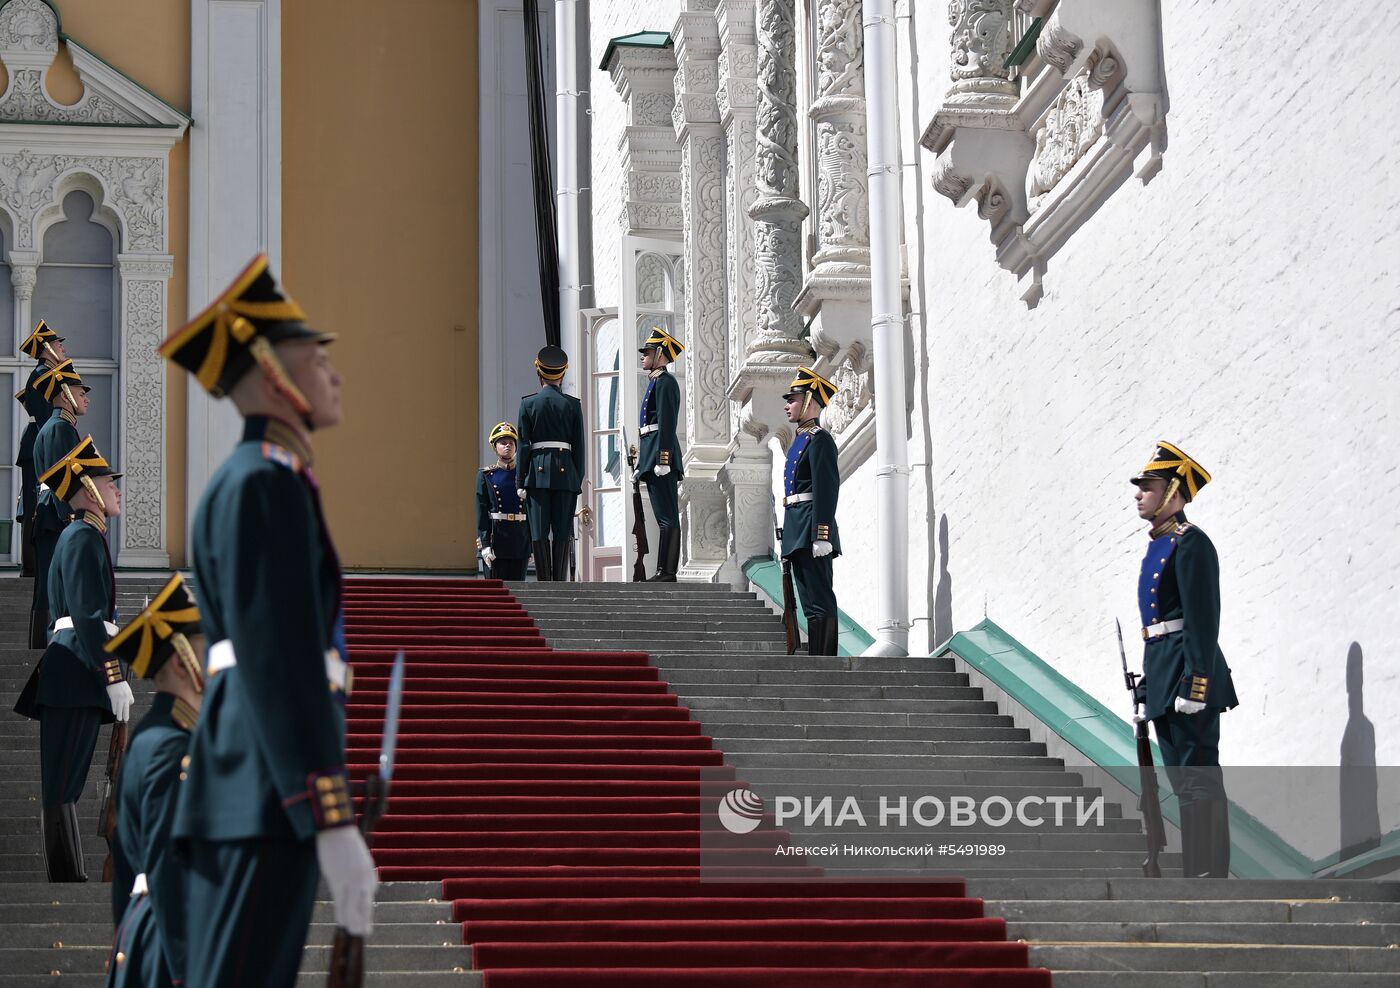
x,y
562,798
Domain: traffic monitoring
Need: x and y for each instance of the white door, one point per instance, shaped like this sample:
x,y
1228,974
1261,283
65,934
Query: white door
x,y
601,530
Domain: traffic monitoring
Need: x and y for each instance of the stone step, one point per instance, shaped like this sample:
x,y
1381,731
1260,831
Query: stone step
x,y
866,719
1172,958
672,629
1181,889
1282,911
837,691
693,678
728,736
669,662
72,931
435,915
884,746
837,705
1222,979
1226,930
378,957
630,643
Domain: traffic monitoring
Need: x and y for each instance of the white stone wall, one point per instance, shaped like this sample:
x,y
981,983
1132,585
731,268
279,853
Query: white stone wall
x,y
1242,305
610,20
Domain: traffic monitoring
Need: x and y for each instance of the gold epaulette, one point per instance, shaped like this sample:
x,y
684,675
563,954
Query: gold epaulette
x,y
1184,527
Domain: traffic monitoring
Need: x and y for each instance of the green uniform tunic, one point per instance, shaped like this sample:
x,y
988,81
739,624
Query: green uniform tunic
x,y
658,445
57,437
150,938
813,477
552,477
267,759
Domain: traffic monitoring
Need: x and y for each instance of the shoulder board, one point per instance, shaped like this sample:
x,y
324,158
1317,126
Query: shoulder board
x,y
1184,527
530,395
282,456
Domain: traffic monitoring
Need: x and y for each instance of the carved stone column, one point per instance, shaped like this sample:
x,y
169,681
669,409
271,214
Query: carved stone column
x,y
143,279
706,334
748,476
24,275
651,162
737,97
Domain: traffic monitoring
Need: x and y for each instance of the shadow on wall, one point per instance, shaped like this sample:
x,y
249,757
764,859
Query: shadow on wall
x,y
1360,811
943,595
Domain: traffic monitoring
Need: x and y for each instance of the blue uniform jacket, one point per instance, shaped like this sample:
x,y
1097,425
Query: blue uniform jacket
x,y
72,673
496,492
551,416
56,439
271,728
811,468
661,406
38,410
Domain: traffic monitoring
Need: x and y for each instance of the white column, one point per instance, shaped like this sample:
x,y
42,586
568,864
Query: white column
x,y
737,97
651,183
143,283
887,332
235,185
566,180
24,275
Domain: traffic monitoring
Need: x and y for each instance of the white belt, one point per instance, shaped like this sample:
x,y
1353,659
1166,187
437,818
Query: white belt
x,y
64,623
551,445
1162,628
502,516
797,499
221,657
649,429
138,887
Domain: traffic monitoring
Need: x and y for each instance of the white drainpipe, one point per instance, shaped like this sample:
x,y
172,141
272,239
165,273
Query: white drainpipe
x,y
887,330
566,182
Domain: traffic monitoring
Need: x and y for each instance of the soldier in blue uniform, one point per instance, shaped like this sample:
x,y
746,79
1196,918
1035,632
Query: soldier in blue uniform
x,y
551,464
502,528
80,686
46,348
811,488
63,388
659,452
163,645
266,796
1187,684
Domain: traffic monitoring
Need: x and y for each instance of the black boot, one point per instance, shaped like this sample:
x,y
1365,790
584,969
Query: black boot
x,y
542,560
1195,838
63,846
668,556
559,570
833,635
26,549
39,628
816,636
1215,858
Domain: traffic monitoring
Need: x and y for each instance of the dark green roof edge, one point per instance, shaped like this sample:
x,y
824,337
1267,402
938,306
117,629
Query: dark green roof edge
x,y
766,573
1107,741
1025,46
639,39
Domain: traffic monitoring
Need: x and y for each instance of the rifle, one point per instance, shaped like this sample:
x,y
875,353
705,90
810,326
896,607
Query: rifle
x,y
107,814
348,950
789,598
639,521
1148,802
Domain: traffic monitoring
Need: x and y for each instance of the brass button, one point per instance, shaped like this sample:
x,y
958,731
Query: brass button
x,y
185,762
121,958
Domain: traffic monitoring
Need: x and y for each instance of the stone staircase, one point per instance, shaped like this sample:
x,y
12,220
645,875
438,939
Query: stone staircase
x,y
51,932
820,725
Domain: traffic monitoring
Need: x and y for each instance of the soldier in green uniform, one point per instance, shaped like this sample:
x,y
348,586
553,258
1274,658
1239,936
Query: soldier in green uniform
x,y
811,488
551,464
46,348
163,645
80,686
64,389
659,452
502,527
266,797
1186,683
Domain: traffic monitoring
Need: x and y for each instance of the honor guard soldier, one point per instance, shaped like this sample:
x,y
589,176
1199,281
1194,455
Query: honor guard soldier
x,y
1187,684
551,464
46,348
266,795
811,487
63,389
502,527
80,686
163,645
659,452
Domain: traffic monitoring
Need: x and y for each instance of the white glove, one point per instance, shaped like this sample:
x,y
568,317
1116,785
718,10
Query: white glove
x,y
660,471
521,492
488,556
821,548
119,696
636,476
1185,706
348,869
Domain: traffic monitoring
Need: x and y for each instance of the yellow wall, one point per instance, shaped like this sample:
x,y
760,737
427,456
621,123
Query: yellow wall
x,y
149,40
379,243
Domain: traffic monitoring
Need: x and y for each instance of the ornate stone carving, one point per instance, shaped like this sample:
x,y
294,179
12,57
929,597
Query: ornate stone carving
x,y
24,277
840,48
1071,127
28,25
653,109
854,396
981,43
143,413
777,110
1057,46
133,186
645,79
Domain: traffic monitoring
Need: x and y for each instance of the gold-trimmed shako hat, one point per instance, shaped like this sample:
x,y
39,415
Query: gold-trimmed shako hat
x,y
551,363
161,631
503,430
1180,472
57,380
661,340
78,466
811,385
238,331
38,341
